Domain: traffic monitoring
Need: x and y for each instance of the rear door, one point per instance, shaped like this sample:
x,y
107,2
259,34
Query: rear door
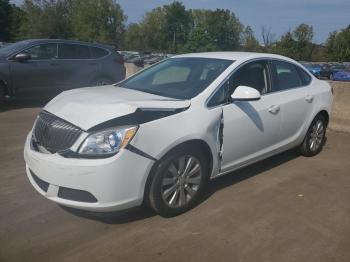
x,y
40,74
79,67
291,85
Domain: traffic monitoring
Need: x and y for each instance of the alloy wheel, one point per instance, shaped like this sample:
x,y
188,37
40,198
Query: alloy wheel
x,y
181,181
316,136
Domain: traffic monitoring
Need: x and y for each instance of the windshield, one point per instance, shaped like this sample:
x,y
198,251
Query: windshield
x,y
180,78
11,48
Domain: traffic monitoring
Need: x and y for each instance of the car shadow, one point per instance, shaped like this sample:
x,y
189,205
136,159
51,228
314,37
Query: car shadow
x,y
248,172
117,217
140,213
250,111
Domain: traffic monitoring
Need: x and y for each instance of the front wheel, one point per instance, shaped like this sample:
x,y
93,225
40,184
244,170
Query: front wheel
x,y
315,137
178,182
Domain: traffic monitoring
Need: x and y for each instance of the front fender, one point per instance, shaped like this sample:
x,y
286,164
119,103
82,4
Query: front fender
x,y
158,137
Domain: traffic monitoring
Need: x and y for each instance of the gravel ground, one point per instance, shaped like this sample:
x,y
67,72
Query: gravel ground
x,y
286,208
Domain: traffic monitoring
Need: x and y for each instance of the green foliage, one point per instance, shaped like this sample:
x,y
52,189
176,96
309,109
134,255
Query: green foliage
x,y
98,20
10,19
176,27
338,45
249,42
297,44
169,28
46,19
86,20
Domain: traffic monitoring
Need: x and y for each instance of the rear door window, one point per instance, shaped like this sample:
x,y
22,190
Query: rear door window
x,y
73,51
305,77
286,76
97,52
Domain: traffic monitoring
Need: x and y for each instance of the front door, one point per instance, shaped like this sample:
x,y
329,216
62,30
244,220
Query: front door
x,y
251,128
40,74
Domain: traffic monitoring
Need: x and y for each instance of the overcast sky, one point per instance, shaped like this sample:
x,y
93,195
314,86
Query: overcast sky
x,y
279,15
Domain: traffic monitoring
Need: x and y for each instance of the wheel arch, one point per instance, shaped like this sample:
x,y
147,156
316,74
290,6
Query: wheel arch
x,y
325,114
199,144
4,86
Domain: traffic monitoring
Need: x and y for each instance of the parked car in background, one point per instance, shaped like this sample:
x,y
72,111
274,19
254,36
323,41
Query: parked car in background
x,y
160,135
47,66
343,75
3,44
314,69
328,70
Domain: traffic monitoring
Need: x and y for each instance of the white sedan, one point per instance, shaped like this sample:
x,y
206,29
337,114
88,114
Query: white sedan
x,y
160,135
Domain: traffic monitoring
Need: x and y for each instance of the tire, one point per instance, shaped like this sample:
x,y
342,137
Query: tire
x,y
101,81
174,190
315,137
2,95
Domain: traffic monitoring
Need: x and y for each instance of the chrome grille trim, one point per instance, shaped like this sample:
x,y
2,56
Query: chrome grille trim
x,y
53,133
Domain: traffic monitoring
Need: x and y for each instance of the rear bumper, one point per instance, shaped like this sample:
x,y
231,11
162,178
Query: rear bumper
x,y
100,185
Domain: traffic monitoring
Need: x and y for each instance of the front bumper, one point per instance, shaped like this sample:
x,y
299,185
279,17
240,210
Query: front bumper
x,y
116,183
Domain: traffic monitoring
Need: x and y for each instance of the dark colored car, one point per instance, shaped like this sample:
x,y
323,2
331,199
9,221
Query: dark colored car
x,y
48,66
328,70
314,69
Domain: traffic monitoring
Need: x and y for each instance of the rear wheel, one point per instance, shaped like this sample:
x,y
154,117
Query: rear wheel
x,y
178,182
2,95
315,137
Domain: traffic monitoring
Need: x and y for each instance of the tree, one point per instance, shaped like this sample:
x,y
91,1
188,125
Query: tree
x,y
296,44
153,31
303,35
224,29
249,42
46,19
98,20
268,38
214,30
133,38
177,22
10,18
286,46
199,41
338,45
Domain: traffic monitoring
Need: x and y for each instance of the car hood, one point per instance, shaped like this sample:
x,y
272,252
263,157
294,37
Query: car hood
x,y
88,107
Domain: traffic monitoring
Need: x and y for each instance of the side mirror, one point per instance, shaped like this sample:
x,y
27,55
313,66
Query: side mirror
x,y
21,57
245,93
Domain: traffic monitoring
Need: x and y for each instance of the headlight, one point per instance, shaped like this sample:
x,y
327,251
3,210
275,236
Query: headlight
x,y
107,142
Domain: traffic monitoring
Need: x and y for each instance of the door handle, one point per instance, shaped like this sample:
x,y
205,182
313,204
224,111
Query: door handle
x,y
54,64
274,109
309,98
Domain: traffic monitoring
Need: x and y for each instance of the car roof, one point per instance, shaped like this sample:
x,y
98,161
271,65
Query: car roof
x,y
234,56
40,41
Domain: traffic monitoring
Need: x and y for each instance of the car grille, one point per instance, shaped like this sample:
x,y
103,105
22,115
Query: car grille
x,y
53,133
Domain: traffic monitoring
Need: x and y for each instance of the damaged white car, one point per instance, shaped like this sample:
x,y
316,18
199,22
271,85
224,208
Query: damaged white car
x,y
160,135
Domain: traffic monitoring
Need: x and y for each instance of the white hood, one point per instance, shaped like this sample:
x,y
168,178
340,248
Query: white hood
x,y
87,107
